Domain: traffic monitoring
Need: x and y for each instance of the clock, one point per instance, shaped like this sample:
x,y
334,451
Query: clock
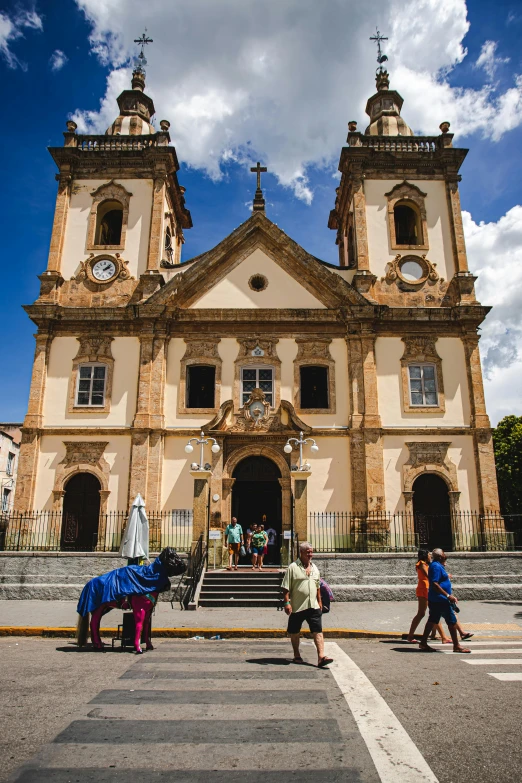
x,y
104,270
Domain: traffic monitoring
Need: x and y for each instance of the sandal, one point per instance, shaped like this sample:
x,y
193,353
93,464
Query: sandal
x,y
426,649
324,662
297,660
467,636
461,650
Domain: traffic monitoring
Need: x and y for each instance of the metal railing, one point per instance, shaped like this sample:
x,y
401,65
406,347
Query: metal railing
x,y
463,531
56,531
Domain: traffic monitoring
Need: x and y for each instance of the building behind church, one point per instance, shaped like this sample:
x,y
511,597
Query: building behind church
x,y
374,360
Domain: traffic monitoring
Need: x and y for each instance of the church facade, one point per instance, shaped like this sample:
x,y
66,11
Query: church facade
x,y
376,359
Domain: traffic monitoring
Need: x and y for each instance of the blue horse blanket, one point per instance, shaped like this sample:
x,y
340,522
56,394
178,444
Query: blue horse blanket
x,y
122,582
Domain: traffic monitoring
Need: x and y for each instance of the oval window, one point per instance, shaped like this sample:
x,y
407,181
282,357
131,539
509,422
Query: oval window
x,y
412,271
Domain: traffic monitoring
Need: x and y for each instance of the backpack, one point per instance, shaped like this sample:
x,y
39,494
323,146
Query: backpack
x,y
326,595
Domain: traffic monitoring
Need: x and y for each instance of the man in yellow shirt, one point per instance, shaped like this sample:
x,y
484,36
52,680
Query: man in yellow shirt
x,y
302,601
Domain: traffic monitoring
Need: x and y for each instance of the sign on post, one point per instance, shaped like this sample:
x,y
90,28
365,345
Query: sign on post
x,y
214,535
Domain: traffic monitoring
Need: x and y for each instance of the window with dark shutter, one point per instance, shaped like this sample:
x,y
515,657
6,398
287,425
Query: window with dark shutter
x,y
314,387
201,382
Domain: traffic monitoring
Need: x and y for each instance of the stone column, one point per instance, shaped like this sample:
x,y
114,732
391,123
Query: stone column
x,y
481,428
360,225
139,463
61,209
301,506
156,222
457,228
200,508
286,514
33,422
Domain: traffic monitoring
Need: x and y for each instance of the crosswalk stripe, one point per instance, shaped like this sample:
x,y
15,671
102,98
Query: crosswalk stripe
x,y
480,644
487,652
493,661
395,755
507,676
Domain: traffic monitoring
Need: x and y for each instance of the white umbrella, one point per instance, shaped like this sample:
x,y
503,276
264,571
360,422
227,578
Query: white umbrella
x,y
135,539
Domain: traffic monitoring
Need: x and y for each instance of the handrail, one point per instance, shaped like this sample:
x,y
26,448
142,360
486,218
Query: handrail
x,y
196,565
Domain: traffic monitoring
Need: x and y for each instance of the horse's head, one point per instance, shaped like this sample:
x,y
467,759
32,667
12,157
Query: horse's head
x,y
174,564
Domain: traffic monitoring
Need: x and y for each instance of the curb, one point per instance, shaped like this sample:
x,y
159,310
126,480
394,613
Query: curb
x,y
187,633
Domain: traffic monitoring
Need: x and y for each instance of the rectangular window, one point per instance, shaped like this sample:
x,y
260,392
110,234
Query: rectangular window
x,y
257,378
5,499
10,464
201,386
423,384
314,387
91,385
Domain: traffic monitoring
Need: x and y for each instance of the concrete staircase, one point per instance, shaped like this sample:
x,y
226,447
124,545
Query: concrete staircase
x,y
243,588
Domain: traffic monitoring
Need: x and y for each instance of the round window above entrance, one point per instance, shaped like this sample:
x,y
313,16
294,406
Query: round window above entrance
x,y
411,271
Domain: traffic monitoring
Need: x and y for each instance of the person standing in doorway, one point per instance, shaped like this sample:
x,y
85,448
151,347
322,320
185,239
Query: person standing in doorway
x,y
234,540
261,558
302,601
441,603
272,558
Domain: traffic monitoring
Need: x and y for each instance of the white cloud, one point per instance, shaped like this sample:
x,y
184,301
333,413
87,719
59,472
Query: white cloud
x,y
57,60
11,28
278,81
495,254
488,59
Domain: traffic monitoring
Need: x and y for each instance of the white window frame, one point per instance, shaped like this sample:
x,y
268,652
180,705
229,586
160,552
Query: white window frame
x,y
423,404
257,368
6,499
9,468
90,404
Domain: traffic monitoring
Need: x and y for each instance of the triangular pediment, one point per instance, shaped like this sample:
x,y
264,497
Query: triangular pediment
x,y
224,277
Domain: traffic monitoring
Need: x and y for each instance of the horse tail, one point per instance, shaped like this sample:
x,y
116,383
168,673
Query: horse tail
x,y
82,630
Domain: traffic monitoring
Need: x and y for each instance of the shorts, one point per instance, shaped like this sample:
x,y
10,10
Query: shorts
x,y
314,618
233,548
440,609
258,550
422,592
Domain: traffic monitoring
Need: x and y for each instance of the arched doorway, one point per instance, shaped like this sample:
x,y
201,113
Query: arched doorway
x,y
432,513
81,513
256,498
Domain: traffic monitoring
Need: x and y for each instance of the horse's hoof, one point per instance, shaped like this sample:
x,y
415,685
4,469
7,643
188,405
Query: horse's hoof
x,y
150,647
139,652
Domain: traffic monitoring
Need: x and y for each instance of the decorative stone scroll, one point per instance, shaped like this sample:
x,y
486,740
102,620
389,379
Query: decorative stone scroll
x,y
200,351
110,191
421,350
394,272
93,348
408,193
317,353
83,457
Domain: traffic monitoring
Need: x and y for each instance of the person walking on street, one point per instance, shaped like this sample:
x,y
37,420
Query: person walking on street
x,y
234,540
424,560
441,603
302,601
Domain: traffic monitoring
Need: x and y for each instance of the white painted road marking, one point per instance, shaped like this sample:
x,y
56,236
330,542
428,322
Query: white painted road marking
x,y
396,757
493,661
487,652
507,676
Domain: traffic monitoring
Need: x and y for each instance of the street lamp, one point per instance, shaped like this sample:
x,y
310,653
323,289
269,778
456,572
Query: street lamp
x,y
202,442
301,442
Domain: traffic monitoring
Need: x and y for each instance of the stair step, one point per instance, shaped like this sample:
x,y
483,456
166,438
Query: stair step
x,y
244,588
236,594
263,603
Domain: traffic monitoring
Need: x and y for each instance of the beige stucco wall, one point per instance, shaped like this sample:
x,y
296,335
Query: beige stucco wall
x,y
283,291
329,486
437,215
461,453
178,485
138,228
126,352
388,353
52,452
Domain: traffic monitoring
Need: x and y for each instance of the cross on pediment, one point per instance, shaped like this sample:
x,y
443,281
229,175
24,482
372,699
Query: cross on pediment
x,y
259,201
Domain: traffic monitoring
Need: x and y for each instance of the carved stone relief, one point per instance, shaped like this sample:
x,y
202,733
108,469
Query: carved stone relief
x,y
429,457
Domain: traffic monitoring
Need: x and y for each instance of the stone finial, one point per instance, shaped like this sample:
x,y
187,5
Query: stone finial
x,y
71,126
444,127
352,126
164,125
382,80
138,80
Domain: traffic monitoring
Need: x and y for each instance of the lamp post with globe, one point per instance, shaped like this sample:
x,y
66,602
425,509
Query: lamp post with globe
x,y
202,442
301,442
201,474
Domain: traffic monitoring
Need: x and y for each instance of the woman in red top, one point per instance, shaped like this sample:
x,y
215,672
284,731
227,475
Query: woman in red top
x,y
422,597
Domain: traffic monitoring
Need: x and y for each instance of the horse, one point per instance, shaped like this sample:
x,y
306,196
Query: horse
x,y
130,587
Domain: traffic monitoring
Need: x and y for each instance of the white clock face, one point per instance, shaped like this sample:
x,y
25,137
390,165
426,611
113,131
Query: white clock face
x,y
104,269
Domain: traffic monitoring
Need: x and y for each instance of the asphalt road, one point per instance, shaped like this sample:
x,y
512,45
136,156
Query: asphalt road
x,y
239,711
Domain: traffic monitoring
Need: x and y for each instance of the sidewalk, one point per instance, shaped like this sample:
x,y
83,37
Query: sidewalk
x,y
484,618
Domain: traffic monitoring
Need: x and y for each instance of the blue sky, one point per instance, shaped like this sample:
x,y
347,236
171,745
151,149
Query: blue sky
x,y
241,80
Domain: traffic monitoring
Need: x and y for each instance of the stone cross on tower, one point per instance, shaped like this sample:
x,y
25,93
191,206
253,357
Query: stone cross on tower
x,y
141,62
259,201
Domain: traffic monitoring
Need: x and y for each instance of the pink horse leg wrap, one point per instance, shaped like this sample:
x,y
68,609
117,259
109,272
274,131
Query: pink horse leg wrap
x,y
96,620
142,608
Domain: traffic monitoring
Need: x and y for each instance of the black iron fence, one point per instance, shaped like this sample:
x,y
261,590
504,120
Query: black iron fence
x,y
54,531
463,531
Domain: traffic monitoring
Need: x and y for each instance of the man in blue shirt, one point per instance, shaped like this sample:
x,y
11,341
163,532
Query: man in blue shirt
x,y
440,602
